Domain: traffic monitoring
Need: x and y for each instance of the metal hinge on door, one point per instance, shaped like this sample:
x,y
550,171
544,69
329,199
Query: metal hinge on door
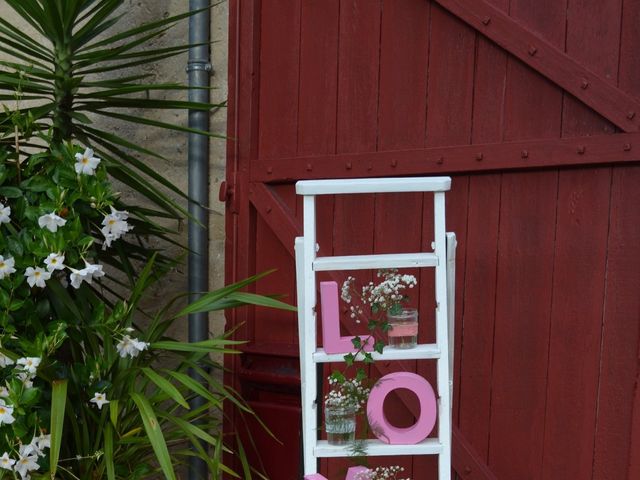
x,y
227,195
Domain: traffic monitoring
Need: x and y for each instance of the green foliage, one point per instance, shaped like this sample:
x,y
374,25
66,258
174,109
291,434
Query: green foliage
x,y
80,360
84,70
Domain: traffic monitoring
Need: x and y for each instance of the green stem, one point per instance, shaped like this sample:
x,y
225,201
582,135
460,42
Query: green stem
x,y
63,93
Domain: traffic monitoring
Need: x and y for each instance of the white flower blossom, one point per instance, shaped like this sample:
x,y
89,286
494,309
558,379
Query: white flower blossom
x,y
115,225
26,463
5,361
29,364
130,346
5,213
37,445
51,222
92,271
99,399
54,261
6,266
37,276
86,163
87,274
6,413
43,441
6,462
4,392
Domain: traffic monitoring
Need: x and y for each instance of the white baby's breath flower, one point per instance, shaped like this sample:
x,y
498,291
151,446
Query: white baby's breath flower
x,y
5,214
130,347
6,413
6,462
37,276
6,266
86,163
29,364
51,222
99,399
54,261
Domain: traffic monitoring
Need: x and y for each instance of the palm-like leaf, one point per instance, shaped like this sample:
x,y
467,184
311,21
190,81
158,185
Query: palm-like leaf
x,y
82,72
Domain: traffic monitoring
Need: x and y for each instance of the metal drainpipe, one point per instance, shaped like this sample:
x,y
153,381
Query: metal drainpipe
x,y
199,70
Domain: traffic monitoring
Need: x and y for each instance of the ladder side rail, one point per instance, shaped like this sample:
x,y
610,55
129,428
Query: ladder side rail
x,y
308,336
452,244
442,339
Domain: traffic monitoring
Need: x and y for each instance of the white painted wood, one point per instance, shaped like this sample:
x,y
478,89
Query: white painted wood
x,y
451,303
442,339
308,383
430,446
369,262
442,258
373,185
428,351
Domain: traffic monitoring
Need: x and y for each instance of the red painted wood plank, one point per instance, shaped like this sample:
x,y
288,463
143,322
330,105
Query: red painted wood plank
x,y
576,322
523,299
450,82
358,68
279,74
357,125
244,35
512,155
449,117
581,236
278,215
619,358
318,77
634,444
479,311
593,39
403,73
466,460
544,55
525,265
478,292
629,79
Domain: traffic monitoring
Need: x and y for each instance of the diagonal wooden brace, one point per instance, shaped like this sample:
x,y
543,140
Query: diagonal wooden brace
x,y
615,105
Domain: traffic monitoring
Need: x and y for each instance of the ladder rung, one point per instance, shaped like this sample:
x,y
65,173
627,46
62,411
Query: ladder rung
x,y
373,185
430,446
419,352
366,262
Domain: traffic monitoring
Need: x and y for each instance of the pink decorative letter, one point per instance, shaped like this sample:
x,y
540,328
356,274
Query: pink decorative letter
x,y
386,432
332,342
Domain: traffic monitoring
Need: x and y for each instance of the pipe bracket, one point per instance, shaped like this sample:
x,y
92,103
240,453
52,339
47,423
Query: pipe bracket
x,y
203,65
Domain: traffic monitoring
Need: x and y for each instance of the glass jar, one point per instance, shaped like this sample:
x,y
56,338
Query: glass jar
x,y
340,424
403,328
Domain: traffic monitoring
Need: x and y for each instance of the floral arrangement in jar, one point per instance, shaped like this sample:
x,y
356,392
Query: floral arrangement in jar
x,y
382,473
346,398
386,302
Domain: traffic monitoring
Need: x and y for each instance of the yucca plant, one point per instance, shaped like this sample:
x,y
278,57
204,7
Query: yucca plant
x,y
114,386
71,68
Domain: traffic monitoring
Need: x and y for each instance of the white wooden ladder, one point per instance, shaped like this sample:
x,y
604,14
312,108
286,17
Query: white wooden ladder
x,y
442,258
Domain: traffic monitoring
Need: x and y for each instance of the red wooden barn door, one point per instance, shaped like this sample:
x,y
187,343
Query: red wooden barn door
x,y
533,108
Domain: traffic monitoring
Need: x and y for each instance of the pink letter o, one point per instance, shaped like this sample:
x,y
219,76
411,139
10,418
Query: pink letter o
x,y
388,433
